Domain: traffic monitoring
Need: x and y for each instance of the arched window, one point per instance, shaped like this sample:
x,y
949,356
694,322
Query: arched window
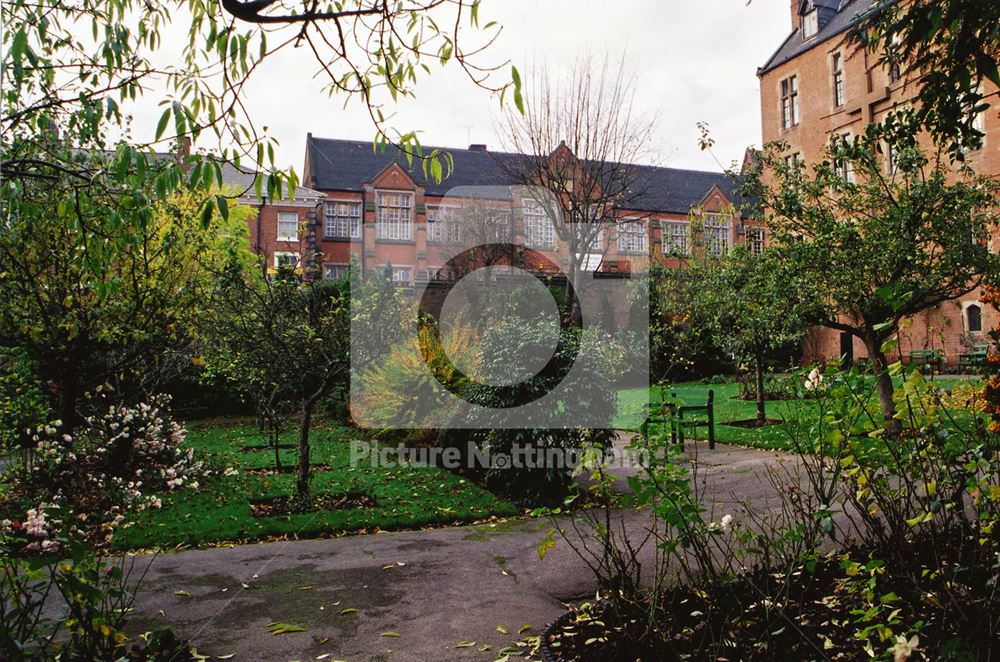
x,y
973,318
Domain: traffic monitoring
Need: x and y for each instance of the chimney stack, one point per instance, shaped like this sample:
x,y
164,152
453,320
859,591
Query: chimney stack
x,y
796,19
477,147
182,150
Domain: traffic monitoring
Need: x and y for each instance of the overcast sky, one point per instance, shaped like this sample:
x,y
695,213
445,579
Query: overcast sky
x,y
693,60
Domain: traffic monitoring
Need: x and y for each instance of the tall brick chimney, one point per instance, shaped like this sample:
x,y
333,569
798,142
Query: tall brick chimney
x,y
796,19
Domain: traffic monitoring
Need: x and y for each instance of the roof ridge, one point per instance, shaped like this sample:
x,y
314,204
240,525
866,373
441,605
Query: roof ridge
x,y
350,141
347,141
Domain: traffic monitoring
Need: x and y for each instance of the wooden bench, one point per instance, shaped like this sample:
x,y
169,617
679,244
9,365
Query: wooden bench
x,y
976,359
678,417
933,358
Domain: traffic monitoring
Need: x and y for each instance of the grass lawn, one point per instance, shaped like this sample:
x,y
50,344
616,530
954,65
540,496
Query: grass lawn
x,y
632,404
219,510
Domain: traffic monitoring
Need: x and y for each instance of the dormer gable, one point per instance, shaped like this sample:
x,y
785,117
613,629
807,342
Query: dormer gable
x,y
393,176
716,201
814,15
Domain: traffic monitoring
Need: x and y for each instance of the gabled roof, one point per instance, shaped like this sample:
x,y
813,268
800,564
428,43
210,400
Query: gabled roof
x,y
842,15
244,181
343,165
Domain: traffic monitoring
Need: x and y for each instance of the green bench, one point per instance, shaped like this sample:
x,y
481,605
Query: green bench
x,y
682,417
932,358
976,359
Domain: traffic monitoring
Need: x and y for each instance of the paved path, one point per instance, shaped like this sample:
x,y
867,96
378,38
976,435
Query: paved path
x,y
434,588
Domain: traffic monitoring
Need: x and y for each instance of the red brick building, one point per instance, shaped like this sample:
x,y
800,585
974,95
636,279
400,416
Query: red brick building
x,y
815,87
279,228
383,211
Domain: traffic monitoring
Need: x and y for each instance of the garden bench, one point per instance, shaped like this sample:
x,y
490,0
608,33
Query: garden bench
x,y
975,359
678,418
932,358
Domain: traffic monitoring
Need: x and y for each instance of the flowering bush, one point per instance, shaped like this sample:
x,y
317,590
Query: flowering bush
x,y
84,484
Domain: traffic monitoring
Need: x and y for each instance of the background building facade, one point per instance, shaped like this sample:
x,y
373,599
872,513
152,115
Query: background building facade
x,y
816,87
383,211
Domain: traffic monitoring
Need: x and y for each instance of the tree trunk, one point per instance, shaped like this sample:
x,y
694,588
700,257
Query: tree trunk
x,y
883,384
302,484
759,378
575,314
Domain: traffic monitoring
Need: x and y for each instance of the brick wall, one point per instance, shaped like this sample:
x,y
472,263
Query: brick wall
x,y
869,96
264,228
942,328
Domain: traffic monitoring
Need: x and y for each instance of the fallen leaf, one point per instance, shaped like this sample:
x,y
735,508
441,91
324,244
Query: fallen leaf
x,y
502,630
465,644
349,610
390,633
182,593
276,628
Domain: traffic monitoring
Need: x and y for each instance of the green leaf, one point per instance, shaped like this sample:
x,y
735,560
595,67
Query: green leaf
x,y
547,543
19,45
161,126
206,214
518,99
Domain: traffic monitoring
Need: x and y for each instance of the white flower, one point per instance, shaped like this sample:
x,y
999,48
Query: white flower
x,y
726,522
814,380
34,524
904,649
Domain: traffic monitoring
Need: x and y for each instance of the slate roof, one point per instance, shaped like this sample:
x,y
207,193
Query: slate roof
x,y
244,180
343,165
847,13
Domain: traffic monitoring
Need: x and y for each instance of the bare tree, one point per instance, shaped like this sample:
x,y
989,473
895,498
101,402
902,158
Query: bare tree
x,y
580,143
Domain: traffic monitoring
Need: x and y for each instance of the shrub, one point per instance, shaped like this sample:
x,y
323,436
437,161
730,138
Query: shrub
x,y
23,403
72,607
913,520
83,485
400,391
542,482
